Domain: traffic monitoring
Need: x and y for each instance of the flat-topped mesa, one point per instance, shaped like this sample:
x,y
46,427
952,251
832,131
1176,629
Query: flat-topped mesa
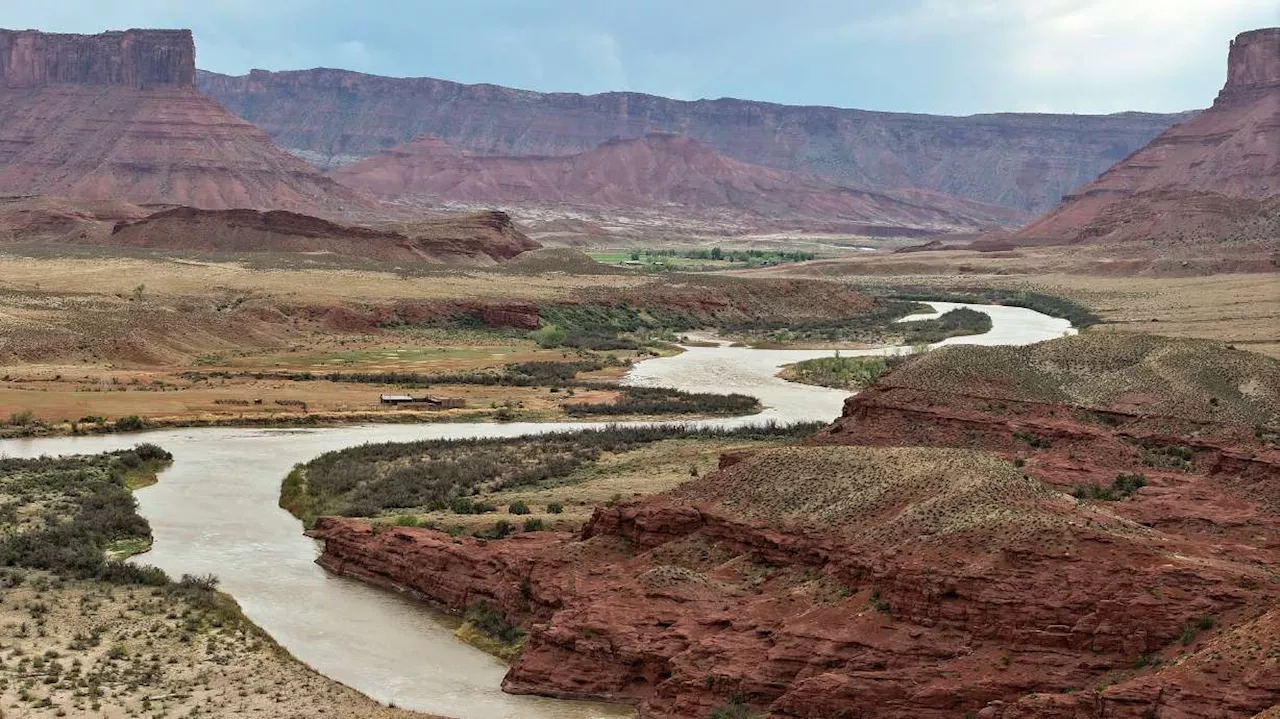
x,y
133,58
1253,65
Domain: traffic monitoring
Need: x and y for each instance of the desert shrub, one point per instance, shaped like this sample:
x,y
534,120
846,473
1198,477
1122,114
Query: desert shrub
x,y
555,508
518,508
1122,487
1033,440
130,423
550,336
489,619
843,372
661,400
22,419
533,524
735,709
86,508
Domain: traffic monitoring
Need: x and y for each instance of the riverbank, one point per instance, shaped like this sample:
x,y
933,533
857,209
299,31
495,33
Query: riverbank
x,y
87,635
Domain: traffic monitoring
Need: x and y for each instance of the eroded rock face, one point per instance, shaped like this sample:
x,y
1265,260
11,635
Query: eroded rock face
x,y
133,58
477,240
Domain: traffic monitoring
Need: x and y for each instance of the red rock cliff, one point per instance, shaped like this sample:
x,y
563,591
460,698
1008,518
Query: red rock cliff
x,y
1253,65
135,58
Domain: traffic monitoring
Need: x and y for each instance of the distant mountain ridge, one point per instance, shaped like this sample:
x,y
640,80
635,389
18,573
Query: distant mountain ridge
x,y
658,172
1021,161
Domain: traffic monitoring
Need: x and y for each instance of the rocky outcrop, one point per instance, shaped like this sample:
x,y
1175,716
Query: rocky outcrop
x,y
115,117
1026,162
465,240
1210,179
132,58
660,173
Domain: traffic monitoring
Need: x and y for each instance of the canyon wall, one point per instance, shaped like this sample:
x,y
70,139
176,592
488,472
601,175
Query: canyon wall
x,y
1022,161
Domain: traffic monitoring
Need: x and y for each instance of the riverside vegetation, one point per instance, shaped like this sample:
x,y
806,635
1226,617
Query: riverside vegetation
x,y
84,632
540,479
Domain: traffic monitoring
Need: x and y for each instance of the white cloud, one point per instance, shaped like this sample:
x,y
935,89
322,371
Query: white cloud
x,y
1086,55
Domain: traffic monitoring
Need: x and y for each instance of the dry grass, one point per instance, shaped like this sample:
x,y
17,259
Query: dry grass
x,y
110,276
89,649
1190,379
880,496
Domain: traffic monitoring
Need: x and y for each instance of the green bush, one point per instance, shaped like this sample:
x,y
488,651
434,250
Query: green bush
x,y
518,508
533,524
1122,487
130,423
550,336
555,508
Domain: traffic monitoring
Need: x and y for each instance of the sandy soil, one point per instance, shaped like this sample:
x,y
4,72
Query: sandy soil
x,y
90,649
109,276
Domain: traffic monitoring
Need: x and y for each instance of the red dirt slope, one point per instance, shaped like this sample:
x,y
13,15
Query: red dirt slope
x,y
659,172
480,239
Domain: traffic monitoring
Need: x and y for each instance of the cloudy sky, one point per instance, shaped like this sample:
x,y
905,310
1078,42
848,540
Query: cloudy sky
x,y
935,56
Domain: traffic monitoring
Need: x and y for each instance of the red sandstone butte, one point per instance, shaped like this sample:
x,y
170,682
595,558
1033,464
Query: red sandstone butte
x,y
116,116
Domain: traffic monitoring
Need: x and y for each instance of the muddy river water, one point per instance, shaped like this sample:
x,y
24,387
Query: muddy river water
x,y
214,512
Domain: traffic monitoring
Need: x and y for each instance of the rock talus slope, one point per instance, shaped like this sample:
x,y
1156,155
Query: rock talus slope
x,y
827,581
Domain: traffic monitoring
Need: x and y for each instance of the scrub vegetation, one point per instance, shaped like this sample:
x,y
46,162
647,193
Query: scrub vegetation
x,y
393,479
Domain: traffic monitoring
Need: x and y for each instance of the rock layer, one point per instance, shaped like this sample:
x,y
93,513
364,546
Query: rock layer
x,y
1021,161
133,58
482,239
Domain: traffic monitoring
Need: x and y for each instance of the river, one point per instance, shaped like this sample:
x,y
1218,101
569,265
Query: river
x,y
214,512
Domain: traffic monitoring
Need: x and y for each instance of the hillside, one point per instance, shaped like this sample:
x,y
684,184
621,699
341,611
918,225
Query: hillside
x,y
659,172
481,239
1215,177
1026,162
116,116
